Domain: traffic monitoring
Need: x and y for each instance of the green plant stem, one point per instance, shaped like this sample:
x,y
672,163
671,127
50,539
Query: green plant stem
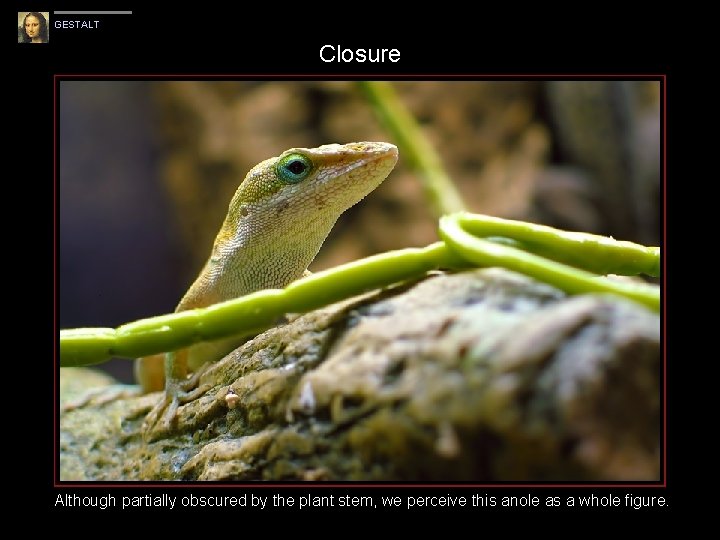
x,y
571,280
462,247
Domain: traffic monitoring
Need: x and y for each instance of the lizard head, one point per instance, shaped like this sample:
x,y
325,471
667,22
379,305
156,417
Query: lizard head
x,y
304,190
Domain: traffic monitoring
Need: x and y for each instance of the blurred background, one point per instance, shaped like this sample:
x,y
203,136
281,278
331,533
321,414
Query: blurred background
x,y
147,170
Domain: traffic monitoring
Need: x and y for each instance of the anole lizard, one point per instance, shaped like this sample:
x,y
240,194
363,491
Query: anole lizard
x,y
276,223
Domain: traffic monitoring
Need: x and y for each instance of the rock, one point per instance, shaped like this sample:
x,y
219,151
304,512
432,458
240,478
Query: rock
x,y
74,382
482,375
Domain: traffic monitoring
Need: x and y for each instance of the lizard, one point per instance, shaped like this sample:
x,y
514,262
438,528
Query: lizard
x,y
277,221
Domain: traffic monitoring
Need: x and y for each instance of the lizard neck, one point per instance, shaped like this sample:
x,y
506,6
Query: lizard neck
x,y
264,256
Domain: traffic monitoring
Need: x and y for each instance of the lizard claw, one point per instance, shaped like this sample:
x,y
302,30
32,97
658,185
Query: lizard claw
x,y
159,421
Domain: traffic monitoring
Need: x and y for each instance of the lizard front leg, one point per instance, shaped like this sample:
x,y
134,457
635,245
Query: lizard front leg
x,y
179,389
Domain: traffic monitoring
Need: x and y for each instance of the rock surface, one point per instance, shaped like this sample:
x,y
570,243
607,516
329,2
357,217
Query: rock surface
x,y
484,375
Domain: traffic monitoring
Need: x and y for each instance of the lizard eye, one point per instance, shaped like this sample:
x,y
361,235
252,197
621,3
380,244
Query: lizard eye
x,y
294,168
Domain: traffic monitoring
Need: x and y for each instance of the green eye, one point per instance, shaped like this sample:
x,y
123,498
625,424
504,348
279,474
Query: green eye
x,y
294,168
